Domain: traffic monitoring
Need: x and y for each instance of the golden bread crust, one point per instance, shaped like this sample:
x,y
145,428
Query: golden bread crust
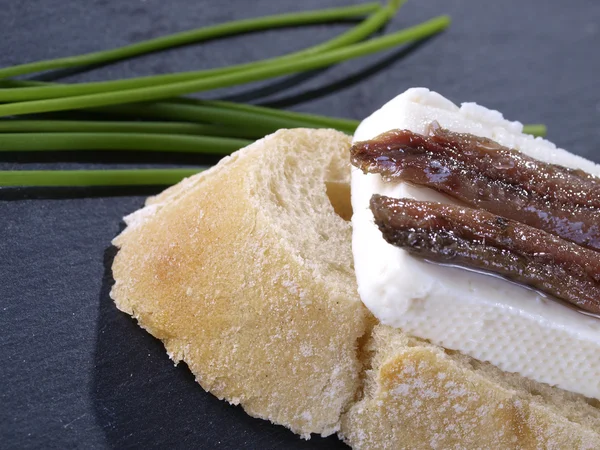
x,y
208,269
419,397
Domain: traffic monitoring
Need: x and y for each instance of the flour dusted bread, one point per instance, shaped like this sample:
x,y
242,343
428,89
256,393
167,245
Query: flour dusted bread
x,y
418,396
245,273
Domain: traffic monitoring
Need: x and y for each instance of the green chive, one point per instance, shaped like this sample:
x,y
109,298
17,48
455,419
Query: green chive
x,y
536,129
85,126
131,177
20,142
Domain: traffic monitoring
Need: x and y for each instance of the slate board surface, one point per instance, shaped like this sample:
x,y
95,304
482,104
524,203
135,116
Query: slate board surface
x,y
75,372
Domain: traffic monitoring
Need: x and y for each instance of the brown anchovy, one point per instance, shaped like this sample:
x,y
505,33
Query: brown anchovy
x,y
480,240
556,182
483,174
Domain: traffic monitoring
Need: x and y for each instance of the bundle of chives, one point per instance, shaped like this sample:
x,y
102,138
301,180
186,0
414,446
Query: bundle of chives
x,y
38,91
79,135
107,96
178,124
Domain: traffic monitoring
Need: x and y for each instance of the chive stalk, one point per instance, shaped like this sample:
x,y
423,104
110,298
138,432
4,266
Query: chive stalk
x,y
85,126
121,177
535,129
310,62
19,142
192,36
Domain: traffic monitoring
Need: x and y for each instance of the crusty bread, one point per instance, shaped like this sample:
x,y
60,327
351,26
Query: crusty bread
x,y
245,272
418,396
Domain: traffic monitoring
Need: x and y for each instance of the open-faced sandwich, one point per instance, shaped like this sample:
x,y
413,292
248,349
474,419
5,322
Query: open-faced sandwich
x,y
448,299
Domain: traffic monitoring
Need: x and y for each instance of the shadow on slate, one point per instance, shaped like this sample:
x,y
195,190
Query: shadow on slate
x,y
287,83
273,88
142,400
59,74
349,81
344,83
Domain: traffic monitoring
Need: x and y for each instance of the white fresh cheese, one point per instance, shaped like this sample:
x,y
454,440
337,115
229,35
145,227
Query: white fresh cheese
x,y
488,318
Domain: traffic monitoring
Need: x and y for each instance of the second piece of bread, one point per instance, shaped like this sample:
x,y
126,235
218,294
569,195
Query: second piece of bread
x,y
420,396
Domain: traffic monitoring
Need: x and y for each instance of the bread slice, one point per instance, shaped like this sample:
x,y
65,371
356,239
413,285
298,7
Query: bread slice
x,y
419,396
245,273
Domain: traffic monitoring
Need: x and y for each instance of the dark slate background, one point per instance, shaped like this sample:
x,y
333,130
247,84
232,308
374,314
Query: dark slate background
x,y
74,372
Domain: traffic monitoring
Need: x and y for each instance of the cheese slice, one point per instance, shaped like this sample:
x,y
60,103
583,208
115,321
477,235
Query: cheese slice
x,y
489,318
